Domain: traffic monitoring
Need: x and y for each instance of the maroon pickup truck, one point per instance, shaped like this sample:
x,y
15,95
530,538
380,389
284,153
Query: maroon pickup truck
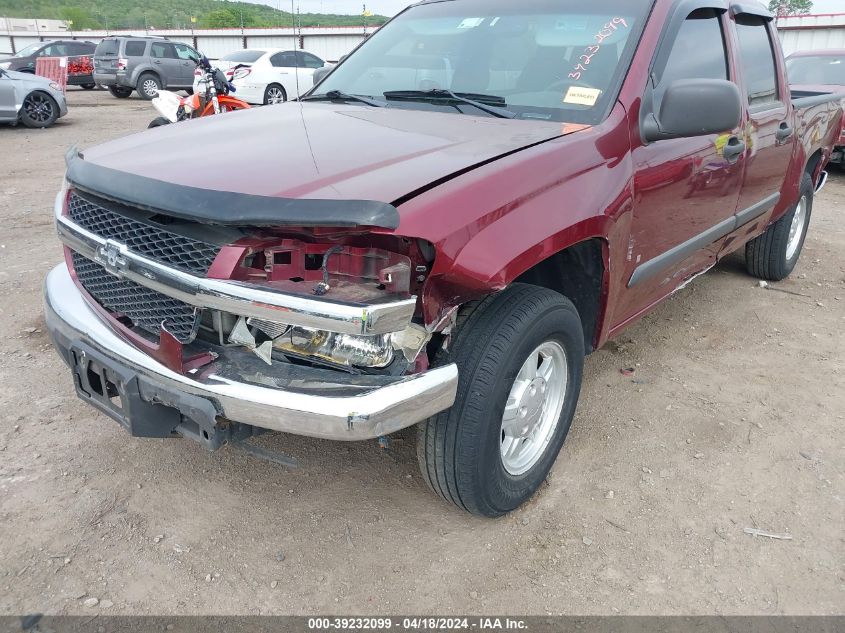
x,y
480,195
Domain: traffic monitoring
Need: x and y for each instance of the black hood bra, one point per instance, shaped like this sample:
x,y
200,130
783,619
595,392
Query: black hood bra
x,y
225,208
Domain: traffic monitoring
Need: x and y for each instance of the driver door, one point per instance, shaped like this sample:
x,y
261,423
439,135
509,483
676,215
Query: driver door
x,y
186,56
686,190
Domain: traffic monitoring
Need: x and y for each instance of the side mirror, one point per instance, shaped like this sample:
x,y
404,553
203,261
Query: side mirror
x,y
321,73
695,107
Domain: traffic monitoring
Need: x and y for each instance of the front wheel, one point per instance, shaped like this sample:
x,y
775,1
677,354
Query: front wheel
x,y
158,122
274,93
520,356
774,254
89,86
39,110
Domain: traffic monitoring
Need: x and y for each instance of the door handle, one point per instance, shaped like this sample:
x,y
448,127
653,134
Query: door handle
x,y
158,61
733,149
784,132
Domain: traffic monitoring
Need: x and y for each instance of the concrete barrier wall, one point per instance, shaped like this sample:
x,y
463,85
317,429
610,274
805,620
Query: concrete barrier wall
x,y
812,32
329,43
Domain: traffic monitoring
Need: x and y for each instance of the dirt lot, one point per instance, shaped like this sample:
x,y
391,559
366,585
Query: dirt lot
x,y
733,419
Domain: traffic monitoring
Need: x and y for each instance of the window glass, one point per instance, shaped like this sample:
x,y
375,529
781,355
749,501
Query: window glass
x,y
185,52
54,50
29,50
162,51
817,69
309,61
243,57
283,60
542,60
697,53
135,48
757,58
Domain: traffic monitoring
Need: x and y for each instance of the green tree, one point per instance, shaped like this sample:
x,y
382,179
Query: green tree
x,y
790,7
220,19
80,17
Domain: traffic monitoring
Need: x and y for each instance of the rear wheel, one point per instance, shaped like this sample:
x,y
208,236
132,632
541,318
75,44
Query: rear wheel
x,y
158,122
39,110
520,356
120,92
774,254
275,93
89,86
148,86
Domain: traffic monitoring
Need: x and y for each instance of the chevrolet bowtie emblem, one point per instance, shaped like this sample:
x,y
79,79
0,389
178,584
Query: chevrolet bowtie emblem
x,y
109,255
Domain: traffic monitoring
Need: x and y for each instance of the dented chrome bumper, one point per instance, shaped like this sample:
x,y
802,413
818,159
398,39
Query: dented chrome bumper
x,y
334,410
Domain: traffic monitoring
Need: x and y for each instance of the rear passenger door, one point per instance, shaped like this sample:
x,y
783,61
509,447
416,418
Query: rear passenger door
x,y
167,63
284,72
768,134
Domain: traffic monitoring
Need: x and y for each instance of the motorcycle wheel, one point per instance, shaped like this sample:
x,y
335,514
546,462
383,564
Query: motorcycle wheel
x,y
158,122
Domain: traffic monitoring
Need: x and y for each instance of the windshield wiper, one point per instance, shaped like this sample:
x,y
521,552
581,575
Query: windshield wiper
x,y
439,94
337,95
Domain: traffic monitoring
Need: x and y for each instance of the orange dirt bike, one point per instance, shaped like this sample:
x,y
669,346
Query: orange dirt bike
x,y
212,95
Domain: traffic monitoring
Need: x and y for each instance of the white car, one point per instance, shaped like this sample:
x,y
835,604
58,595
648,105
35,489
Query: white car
x,y
270,75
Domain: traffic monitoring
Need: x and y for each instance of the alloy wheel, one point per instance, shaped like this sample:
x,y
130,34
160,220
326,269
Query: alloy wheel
x,y
533,408
38,107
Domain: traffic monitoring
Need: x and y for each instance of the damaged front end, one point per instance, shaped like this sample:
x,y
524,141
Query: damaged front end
x,y
309,330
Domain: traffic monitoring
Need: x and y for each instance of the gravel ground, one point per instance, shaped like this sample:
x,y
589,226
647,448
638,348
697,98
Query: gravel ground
x,y
733,419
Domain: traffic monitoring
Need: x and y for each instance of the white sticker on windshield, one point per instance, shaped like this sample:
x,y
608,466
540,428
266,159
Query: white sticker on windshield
x,y
577,95
470,23
495,21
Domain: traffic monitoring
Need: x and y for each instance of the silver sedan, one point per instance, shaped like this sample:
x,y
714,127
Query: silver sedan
x,y
29,99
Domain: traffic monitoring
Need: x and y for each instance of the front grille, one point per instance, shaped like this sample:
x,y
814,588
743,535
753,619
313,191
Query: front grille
x,y
146,308
189,255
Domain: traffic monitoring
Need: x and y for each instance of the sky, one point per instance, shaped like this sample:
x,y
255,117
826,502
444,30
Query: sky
x,y
392,7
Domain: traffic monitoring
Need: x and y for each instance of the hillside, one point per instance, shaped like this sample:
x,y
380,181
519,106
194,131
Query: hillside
x,y
161,14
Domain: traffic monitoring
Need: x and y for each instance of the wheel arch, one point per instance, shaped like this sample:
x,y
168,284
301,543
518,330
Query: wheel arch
x,y
147,70
814,166
575,263
580,273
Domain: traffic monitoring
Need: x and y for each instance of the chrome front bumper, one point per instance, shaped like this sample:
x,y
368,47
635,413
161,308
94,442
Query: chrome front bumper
x,y
318,413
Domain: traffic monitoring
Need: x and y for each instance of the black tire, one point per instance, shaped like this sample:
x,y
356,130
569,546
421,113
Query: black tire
x,y
272,90
158,122
39,110
460,450
769,256
89,86
148,86
120,92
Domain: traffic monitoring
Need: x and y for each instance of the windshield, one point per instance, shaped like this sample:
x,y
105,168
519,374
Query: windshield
x,y
243,57
821,69
556,60
29,50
